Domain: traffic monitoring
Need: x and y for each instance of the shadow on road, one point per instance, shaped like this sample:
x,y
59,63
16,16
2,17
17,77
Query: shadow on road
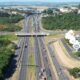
x,y
11,68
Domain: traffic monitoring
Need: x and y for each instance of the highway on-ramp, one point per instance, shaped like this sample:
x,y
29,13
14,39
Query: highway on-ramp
x,y
59,68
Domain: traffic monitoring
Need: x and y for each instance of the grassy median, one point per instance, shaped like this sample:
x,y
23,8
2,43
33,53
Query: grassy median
x,y
31,61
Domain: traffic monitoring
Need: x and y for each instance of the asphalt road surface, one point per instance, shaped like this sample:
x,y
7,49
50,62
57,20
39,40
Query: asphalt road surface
x,y
59,68
37,53
41,58
24,57
39,42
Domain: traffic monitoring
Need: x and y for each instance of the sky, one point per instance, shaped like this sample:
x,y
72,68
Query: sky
x,y
40,0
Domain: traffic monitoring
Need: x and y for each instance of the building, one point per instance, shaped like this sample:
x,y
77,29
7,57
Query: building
x,y
73,39
79,11
65,9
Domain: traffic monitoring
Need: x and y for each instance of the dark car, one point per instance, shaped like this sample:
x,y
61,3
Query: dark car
x,y
25,46
17,47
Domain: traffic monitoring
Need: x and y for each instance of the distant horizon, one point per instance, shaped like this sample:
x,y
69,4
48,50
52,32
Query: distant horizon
x,y
37,3
46,1
41,1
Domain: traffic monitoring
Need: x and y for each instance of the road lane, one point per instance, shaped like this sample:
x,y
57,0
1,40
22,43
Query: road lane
x,y
37,58
49,74
59,68
43,53
18,54
23,71
37,52
24,59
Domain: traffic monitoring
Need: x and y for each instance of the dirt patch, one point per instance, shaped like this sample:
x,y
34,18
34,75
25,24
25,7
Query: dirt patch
x,y
20,23
52,38
2,27
65,60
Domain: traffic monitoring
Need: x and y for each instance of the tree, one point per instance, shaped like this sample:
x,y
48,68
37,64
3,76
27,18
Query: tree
x,y
79,6
44,11
49,11
74,72
75,11
65,21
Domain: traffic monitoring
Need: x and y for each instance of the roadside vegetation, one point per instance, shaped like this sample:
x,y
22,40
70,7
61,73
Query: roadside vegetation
x,y
75,72
7,49
67,42
61,22
8,37
77,54
8,21
48,11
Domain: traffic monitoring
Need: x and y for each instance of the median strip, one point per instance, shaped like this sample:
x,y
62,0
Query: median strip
x,y
31,62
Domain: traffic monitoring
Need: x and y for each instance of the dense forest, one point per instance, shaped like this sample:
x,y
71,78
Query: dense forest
x,y
7,49
7,22
63,21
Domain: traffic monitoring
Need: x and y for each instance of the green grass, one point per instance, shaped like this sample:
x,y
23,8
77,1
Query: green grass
x,y
11,28
31,68
31,61
67,41
7,50
74,72
77,54
7,23
8,37
31,55
64,21
10,19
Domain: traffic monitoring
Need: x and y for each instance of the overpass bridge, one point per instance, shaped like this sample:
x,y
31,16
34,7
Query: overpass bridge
x,y
25,34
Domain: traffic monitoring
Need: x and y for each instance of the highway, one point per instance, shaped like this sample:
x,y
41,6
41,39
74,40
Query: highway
x,y
41,57
59,68
21,54
37,53
49,73
24,52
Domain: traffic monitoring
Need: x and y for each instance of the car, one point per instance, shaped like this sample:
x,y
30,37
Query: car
x,y
44,78
26,46
42,69
40,74
18,47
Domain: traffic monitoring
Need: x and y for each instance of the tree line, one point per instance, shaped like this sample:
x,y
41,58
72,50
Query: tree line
x,y
7,49
63,21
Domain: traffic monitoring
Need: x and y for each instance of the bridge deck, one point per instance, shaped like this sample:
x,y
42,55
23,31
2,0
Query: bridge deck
x,y
31,34
25,34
